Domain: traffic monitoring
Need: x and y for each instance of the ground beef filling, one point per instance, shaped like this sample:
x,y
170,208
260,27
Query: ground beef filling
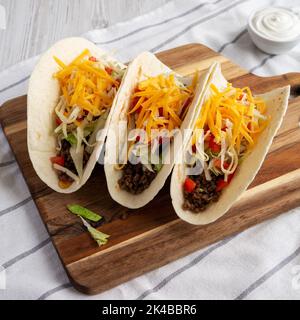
x,y
136,178
204,193
69,164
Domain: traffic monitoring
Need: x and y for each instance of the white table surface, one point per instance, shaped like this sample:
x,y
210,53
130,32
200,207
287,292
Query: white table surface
x,y
33,25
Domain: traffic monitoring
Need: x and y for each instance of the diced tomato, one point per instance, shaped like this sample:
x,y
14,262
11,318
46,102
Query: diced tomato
x,y
207,138
213,145
93,59
217,163
194,148
230,177
137,139
221,184
109,70
225,165
58,121
189,185
58,160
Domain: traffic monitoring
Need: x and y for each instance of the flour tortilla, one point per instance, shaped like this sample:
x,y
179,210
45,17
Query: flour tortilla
x,y
144,64
276,102
43,95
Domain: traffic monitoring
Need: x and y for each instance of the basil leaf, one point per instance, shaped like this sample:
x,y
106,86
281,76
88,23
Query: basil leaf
x,y
84,212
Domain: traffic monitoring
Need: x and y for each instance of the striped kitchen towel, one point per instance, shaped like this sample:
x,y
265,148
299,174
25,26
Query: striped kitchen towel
x,y
261,262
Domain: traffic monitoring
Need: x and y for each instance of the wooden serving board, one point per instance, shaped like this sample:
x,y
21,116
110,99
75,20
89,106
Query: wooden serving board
x,y
152,236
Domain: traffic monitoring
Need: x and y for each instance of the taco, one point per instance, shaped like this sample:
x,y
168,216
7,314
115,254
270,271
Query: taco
x,y
70,101
231,134
152,107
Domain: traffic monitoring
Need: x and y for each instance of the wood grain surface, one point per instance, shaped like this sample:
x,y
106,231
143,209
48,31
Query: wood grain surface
x,y
152,236
33,25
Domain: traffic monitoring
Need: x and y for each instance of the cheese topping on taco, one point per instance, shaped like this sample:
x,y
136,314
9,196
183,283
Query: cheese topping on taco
x,y
227,129
158,105
87,90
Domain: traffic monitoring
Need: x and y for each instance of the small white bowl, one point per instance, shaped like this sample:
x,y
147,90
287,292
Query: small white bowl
x,y
267,45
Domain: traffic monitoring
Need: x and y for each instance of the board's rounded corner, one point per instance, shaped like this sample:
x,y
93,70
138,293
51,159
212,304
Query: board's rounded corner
x,y
79,285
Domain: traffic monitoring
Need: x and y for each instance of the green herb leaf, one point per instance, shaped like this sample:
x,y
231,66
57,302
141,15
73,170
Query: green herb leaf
x,y
71,139
100,237
84,212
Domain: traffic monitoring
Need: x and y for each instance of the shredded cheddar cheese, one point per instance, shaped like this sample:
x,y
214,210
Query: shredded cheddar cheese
x,y
85,84
160,103
245,113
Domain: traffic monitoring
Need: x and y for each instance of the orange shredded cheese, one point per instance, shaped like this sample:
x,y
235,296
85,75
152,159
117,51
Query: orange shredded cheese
x,y
238,106
85,84
160,103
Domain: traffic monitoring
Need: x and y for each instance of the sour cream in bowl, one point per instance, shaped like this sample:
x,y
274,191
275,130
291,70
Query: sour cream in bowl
x,y
275,30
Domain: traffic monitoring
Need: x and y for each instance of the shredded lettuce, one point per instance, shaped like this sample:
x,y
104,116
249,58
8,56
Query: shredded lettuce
x,y
77,158
84,212
71,139
100,237
157,167
89,129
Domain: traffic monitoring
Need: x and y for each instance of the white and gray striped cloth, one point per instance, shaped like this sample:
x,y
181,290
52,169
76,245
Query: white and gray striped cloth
x,y
261,262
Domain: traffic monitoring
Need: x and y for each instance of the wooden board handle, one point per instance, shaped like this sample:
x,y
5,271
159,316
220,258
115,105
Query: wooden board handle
x,y
263,84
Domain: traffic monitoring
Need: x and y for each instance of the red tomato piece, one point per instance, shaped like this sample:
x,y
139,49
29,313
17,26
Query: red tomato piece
x,y
215,147
189,185
221,184
58,160
58,121
230,177
109,70
93,59
217,163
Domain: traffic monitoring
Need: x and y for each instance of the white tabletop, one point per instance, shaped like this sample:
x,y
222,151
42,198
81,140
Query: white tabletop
x,y
33,25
